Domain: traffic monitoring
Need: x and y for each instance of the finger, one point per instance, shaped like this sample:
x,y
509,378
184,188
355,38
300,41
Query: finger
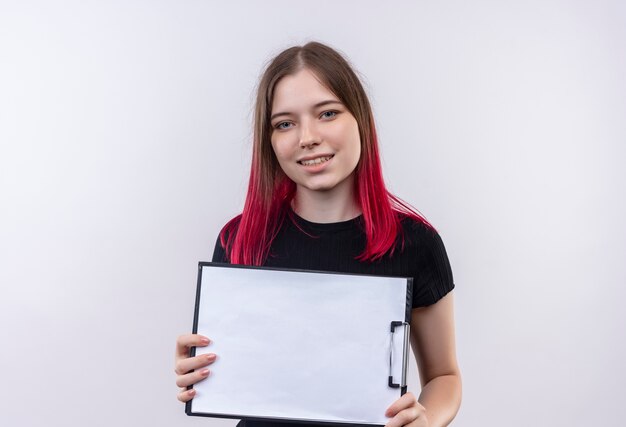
x,y
186,395
188,364
404,417
406,401
185,342
192,377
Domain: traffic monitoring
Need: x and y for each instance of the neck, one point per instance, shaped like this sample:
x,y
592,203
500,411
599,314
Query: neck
x,y
335,205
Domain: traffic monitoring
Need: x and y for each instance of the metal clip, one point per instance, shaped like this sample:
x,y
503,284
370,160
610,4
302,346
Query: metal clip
x,y
405,355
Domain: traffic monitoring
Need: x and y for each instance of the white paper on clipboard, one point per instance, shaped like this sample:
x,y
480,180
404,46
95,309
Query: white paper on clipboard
x,y
304,346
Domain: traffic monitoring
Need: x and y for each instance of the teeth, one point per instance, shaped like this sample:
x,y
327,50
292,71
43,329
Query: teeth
x,y
317,161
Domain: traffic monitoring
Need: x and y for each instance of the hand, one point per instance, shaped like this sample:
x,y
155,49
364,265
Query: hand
x,y
184,365
407,411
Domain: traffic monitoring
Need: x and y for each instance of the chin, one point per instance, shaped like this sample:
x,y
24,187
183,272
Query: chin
x,y
319,186
323,184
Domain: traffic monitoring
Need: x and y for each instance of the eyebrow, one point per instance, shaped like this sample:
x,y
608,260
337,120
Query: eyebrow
x,y
318,105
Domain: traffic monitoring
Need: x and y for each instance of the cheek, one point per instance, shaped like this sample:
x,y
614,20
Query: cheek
x,y
355,144
280,151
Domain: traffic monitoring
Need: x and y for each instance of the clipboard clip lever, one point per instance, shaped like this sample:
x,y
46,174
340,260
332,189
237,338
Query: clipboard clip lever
x,y
405,354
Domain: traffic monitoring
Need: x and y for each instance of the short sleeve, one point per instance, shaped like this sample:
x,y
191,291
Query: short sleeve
x,y
432,279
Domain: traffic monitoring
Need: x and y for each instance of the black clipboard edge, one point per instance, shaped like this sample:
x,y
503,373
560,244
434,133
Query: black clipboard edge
x,y
196,314
409,299
407,318
286,420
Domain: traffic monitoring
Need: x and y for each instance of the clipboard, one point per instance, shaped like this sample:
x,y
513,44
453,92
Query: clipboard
x,y
301,346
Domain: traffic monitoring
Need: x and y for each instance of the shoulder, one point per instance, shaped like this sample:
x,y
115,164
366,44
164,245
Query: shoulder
x,y
422,248
417,231
420,237
224,239
230,228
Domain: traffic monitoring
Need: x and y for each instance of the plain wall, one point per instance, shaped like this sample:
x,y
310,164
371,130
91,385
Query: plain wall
x,y
125,131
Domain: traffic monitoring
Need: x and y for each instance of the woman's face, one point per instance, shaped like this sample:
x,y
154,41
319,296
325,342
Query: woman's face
x,y
315,137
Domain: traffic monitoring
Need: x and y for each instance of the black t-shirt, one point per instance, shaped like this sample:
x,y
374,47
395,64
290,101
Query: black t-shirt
x,y
302,244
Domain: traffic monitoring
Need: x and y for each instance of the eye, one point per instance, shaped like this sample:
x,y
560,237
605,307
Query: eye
x,y
328,114
282,125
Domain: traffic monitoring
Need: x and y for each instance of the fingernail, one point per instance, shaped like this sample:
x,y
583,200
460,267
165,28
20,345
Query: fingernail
x,y
191,392
204,372
205,341
211,356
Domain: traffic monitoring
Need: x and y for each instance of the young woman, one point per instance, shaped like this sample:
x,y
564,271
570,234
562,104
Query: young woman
x,y
316,200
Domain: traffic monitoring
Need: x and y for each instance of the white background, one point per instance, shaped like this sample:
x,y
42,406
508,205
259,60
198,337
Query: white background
x,y
124,146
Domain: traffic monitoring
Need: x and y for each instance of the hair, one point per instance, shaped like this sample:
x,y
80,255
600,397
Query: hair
x,y
247,238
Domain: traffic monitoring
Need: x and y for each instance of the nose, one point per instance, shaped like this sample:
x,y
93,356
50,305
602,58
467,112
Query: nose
x,y
308,136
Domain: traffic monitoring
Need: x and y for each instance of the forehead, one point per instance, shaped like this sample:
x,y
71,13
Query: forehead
x,y
300,90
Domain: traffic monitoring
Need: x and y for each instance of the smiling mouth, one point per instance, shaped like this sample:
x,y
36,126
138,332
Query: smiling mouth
x,y
316,161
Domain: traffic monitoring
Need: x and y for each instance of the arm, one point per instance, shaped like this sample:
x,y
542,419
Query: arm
x,y
432,340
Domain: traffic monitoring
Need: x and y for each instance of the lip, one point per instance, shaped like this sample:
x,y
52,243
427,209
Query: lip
x,y
316,168
315,156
